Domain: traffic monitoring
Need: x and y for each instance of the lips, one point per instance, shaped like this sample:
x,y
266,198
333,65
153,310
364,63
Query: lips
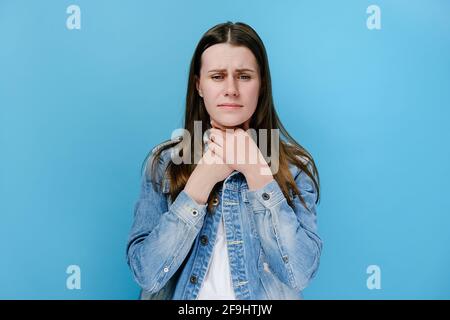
x,y
230,105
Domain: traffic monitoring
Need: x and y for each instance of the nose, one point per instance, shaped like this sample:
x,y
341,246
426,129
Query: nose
x,y
231,88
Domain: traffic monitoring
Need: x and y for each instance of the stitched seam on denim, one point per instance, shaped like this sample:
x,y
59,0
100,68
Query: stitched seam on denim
x,y
240,283
181,217
287,265
176,253
274,204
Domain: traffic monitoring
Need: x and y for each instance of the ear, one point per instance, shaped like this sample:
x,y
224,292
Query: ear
x,y
197,85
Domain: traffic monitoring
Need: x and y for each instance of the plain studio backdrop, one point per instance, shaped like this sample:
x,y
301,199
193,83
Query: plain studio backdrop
x,y
84,97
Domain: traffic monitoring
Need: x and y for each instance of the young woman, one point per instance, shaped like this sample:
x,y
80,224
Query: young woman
x,y
221,229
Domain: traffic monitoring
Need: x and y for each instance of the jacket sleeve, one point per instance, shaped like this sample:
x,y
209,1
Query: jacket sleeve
x,y
161,237
288,236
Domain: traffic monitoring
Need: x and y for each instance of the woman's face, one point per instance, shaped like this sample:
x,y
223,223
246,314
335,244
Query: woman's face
x,y
229,75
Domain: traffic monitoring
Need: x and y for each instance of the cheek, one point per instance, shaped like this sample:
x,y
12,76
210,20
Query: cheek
x,y
251,96
211,88
211,93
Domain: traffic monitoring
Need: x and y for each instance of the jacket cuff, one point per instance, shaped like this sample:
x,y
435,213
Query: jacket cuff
x,y
266,197
188,209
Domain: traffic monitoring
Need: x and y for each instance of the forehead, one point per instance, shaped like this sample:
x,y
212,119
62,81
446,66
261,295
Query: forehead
x,y
226,56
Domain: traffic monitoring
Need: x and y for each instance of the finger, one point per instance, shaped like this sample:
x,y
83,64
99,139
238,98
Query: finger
x,y
210,157
213,155
217,137
217,159
215,149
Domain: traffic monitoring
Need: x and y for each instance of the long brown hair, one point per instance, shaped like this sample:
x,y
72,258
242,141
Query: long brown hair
x,y
264,117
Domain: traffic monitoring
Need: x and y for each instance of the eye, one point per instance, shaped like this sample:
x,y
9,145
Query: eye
x,y
216,77
246,76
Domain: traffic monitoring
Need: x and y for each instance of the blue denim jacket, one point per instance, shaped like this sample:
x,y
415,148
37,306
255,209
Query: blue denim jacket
x,y
274,250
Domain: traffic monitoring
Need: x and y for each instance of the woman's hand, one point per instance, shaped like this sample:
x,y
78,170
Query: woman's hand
x,y
240,154
212,167
210,170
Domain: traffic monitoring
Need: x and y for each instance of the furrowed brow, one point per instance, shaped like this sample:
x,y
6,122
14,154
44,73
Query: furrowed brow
x,y
237,70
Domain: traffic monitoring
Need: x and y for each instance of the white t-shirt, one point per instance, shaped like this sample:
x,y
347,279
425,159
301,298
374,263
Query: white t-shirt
x,y
217,284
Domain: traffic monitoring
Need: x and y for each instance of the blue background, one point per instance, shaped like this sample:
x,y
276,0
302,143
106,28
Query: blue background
x,y
80,109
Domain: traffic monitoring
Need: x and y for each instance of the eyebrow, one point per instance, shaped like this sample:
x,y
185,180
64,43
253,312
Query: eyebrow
x,y
224,70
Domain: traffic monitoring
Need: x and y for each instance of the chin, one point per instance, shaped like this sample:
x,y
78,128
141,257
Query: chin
x,y
230,123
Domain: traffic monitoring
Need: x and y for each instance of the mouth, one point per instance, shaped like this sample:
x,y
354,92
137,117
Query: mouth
x,y
229,105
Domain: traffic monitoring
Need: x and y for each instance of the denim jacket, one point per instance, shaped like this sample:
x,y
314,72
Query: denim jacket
x,y
274,250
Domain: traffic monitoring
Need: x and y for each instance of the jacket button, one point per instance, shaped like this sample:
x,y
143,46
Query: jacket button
x,y
265,196
215,201
193,279
194,212
204,240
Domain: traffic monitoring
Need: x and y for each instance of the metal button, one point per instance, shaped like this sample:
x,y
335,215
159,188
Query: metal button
x,y
204,240
265,196
215,201
166,269
193,279
194,212
285,259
